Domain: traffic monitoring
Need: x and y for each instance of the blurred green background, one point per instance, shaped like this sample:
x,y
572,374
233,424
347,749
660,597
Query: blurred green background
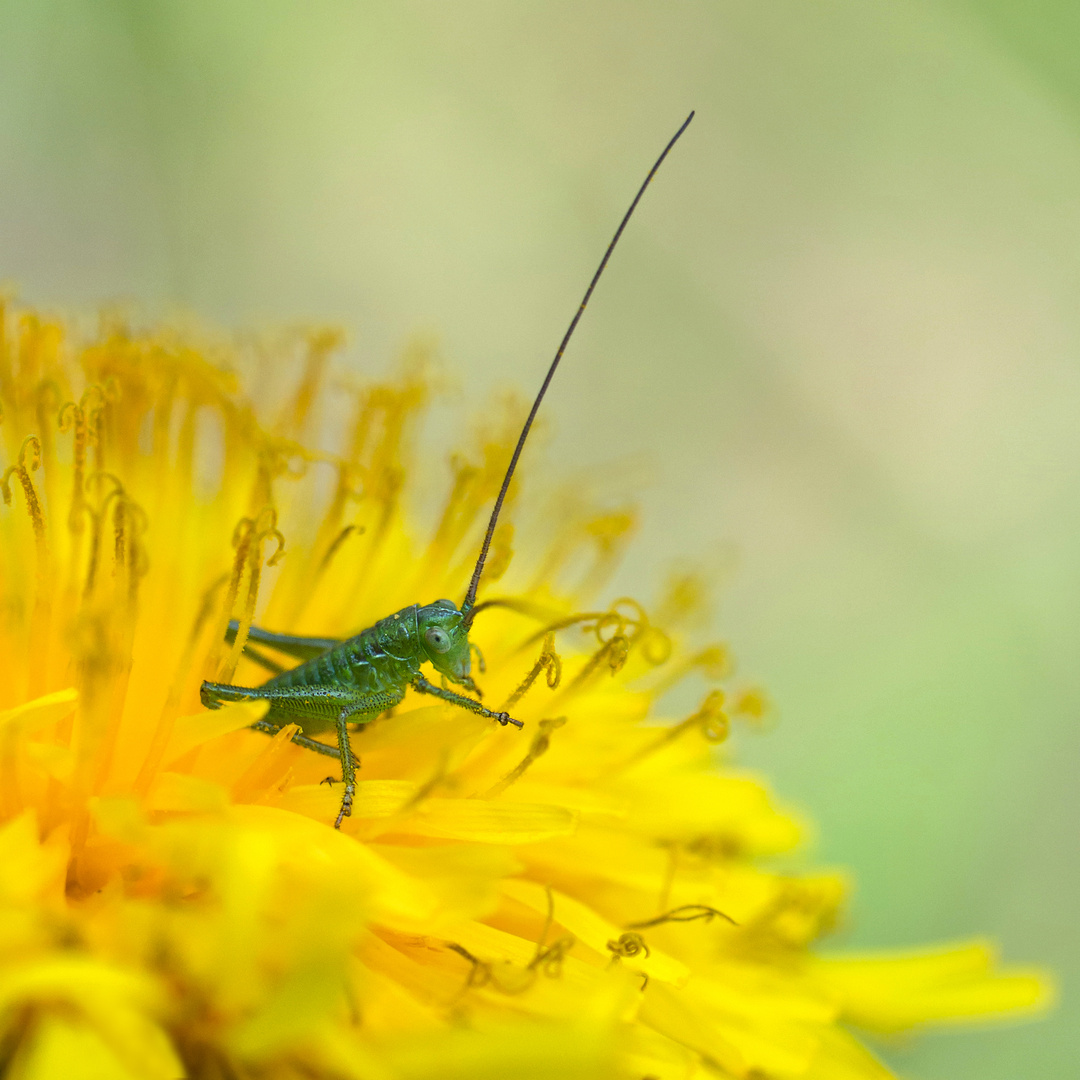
x,y
844,333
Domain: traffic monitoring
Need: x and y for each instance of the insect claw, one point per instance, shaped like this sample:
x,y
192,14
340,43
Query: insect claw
x,y
506,718
327,780
346,806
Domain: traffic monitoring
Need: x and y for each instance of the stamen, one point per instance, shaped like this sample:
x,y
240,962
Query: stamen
x,y
801,910
129,523
242,539
684,913
710,718
653,644
38,344
85,423
474,650
716,847
278,537
95,546
249,541
686,598
247,613
581,620
164,727
549,662
714,662
628,945
321,344
335,546
331,534
28,460
95,420
613,653
751,704
70,417
118,533
502,552
540,745
96,520
432,783
610,533
31,446
47,396
505,977
633,628
459,510
549,918
206,607
479,973
548,959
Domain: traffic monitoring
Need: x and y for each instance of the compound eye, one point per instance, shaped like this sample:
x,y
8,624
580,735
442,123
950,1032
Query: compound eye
x,y
438,639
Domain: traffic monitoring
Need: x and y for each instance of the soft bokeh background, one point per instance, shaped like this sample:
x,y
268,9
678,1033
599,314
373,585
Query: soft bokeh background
x,y
844,333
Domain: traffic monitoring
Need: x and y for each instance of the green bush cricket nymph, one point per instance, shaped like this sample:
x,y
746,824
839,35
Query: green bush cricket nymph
x,y
347,682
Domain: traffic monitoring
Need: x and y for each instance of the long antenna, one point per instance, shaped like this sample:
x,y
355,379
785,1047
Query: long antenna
x,y
470,596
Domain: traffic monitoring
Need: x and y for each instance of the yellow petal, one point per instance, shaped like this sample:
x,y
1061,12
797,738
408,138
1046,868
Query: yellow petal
x,y
34,715
62,1047
463,878
841,1057
118,1005
192,731
894,991
522,1051
29,870
182,792
486,822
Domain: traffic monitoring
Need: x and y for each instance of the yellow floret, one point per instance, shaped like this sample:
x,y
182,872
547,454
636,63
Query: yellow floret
x,y
585,898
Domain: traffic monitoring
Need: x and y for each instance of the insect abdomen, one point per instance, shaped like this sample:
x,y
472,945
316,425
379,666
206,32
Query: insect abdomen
x,y
382,659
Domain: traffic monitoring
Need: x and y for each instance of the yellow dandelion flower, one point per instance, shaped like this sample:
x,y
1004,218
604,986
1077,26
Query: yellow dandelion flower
x,y
593,896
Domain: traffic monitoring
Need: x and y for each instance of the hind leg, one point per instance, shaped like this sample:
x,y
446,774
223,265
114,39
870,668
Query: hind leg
x,y
214,695
311,703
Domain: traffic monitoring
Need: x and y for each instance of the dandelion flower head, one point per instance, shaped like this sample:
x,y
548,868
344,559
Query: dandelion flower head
x,y
598,895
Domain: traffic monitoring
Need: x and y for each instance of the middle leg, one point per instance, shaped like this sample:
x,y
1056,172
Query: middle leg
x,y
268,727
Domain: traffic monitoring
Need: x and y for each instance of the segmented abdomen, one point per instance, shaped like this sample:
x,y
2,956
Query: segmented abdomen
x,y
383,659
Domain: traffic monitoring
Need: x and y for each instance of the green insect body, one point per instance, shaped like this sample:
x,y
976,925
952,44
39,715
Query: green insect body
x,y
353,681
339,683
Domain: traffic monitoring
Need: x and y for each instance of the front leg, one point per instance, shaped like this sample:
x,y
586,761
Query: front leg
x,y
421,685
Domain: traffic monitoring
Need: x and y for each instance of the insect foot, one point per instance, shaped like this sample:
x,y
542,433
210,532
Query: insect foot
x,y
214,695
348,768
422,686
346,805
